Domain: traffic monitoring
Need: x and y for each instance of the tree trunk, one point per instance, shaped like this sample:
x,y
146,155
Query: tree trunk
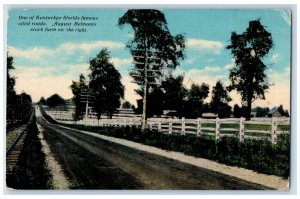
x,y
248,112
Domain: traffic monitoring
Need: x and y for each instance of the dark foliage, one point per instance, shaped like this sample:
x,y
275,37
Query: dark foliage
x,y
248,49
55,100
258,155
31,172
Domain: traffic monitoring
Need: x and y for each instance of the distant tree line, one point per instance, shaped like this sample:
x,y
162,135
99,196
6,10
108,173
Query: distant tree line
x,y
54,100
19,106
152,39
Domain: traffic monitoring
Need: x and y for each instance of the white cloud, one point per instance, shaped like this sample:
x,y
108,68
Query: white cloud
x,y
205,45
32,53
212,68
31,73
130,94
86,47
118,62
275,58
69,47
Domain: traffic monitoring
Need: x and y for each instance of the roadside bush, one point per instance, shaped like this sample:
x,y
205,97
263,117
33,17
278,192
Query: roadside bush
x,y
258,155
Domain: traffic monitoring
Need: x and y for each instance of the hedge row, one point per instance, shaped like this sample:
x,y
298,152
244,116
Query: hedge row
x,y
258,155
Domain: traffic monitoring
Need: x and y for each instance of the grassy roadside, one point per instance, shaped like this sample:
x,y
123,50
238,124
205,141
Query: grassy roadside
x,y
258,155
31,171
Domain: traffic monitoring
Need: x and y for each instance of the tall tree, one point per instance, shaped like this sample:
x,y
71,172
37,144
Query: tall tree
x,y
24,106
194,105
10,80
11,94
105,84
219,101
42,101
55,100
237,111
78,88
174,93
282,111
248,49
152,39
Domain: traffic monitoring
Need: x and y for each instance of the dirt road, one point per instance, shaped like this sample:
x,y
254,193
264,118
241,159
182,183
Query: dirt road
x,y
92,163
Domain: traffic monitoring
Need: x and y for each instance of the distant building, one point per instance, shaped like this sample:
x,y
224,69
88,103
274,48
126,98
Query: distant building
x,y
210,115
125,113
169,113
274,113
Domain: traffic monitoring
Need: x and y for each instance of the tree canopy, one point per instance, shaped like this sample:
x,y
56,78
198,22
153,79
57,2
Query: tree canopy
x,y
248,77
220,100
194,105
105,84
55,100
78,87
151,35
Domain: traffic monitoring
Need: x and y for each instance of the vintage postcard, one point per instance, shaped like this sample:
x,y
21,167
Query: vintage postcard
x,y
148,99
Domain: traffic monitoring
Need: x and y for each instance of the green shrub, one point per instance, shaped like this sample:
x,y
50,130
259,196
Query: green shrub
x,y
258,155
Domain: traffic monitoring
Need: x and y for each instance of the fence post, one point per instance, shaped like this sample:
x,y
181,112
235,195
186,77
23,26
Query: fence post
x,y
242,130
198,127
273,133
170,125
159,127
217,132
183,126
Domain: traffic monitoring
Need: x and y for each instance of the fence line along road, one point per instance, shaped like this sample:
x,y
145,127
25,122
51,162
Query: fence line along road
x,y
256,128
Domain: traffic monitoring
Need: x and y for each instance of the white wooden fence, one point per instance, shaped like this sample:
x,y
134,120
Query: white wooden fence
x,y
256,128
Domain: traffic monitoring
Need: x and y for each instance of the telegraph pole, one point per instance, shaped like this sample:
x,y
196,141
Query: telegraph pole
x,y
144,118
86,98
145,82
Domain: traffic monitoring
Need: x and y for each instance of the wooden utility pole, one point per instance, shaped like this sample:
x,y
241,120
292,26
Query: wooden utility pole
x,y
145,82
144,118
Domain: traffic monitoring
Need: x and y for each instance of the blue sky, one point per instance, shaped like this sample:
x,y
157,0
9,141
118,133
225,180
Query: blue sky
x,y
47,62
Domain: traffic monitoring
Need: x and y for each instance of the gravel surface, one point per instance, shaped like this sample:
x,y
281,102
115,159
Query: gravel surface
x,y
12,135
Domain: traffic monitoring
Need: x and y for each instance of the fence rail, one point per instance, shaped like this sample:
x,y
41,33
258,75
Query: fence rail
x,y
256,128
266,128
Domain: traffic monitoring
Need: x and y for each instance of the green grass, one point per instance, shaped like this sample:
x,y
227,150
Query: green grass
x,y
284,127
263,127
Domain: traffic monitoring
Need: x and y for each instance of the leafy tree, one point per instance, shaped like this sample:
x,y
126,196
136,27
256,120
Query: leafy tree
x,y
220,100
154,106
25,106
174,93
42,101
10,79
282,111
55,100
126,105
151,39
77,89
262,112
194,105
18,106
105,84
248,50
237,111
11,94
